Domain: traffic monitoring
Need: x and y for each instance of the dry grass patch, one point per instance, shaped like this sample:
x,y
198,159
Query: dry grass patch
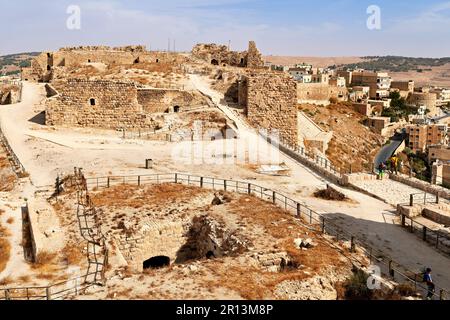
x,y
5,248
73,254
138,197
44,261
6,281
277,222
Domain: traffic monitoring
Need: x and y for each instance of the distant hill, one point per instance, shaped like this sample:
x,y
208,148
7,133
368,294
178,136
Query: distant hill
x,y
397,63
11,63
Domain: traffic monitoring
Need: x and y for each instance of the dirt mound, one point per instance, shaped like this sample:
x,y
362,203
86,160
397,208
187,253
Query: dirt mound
x,y
330,194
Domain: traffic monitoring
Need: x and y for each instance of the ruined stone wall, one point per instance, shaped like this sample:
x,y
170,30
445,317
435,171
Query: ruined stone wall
x,y
242,92
154,239
254,57
114,105
165,100
272,103
9,94
320,93
221,55
43,66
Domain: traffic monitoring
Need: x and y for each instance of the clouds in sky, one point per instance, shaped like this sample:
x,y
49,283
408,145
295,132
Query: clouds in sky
x,y
289,27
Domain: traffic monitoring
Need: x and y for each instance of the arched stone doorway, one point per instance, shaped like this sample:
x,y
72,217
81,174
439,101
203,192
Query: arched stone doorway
x,y
214,62
157,262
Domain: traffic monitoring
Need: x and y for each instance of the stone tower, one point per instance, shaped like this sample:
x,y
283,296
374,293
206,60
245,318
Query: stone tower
x,y
254,57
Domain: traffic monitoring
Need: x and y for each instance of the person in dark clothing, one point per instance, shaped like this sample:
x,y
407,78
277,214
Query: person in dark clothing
x,y
430,284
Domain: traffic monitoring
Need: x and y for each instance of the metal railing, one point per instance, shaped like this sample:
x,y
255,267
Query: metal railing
x,y
316,221
437,239
298,153
424,198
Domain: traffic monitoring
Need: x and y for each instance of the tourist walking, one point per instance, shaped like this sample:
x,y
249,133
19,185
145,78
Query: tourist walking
x,y
430,284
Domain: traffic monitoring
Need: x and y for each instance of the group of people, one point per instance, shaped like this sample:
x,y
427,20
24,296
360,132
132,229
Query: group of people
x,y
393,165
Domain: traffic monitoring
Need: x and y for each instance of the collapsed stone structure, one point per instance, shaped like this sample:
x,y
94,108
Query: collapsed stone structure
x,y
113,104
9,94
223,56
270,102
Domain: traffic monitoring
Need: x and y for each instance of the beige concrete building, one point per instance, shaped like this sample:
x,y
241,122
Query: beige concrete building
x,y
379,82
422,136
441,153
407,86
379,124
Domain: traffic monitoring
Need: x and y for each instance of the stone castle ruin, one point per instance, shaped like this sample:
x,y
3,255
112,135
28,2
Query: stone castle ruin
x,y
47,64
113,104
221,55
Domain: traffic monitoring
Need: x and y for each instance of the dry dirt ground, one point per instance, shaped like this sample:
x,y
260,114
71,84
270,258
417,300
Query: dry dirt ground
x,y
438,76
248,273
353,143
46,152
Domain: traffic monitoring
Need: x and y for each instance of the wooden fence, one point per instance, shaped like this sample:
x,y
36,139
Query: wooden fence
x,y
97,253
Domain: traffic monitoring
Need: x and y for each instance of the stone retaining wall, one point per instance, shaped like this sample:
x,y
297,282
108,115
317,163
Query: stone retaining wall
x,y
422,185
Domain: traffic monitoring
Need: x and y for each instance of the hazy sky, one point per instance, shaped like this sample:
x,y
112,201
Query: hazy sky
x,y
282,27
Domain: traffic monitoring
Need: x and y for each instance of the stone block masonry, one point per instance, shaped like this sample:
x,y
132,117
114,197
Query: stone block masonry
x,y
96,103
271,99
221,55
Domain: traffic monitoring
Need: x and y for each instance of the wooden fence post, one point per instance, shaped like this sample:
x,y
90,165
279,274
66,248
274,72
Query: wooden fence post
x,y
424,233
323,225
176,177
391,270
249,188
201,182
274,197
48,293
139,181
411,200
299,214
403,220
352,244
225,185
108,183
437,198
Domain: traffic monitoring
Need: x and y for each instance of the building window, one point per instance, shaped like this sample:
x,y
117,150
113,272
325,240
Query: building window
x,y
92,102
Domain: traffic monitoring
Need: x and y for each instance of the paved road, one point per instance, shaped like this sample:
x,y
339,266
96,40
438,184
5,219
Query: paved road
x,y
388,150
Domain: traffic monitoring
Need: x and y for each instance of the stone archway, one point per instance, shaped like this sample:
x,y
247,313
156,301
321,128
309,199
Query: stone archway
x,y
214,62
156,262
